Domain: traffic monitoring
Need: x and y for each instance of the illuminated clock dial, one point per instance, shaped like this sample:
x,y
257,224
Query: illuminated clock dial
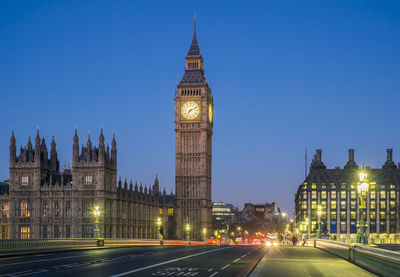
x,y
210,113
190,110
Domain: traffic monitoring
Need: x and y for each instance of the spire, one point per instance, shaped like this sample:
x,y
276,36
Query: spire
x,y
12,139
53,144
194,49
76,138
37,139
101,138
29,143
89,143
113,144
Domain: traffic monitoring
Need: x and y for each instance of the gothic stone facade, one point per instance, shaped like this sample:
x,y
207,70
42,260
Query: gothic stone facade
x,y
194,128
43,202
336,191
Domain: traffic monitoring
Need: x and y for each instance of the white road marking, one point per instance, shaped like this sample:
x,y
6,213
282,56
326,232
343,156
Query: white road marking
x,y
166,262
236,260
211,269
225,266
215,273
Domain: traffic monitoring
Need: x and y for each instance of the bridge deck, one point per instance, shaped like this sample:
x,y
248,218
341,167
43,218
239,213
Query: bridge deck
x,y
304,261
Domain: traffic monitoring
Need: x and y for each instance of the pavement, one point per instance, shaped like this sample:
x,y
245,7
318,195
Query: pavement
x,y
304,261
138,261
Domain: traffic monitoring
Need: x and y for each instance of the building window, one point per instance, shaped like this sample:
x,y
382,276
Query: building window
x,y
313,205
392,215
24,232
353,215
333,194
67,231
383,215
45,209
56,234
352,204
123,215
25,181
304,194
343,204
343,215
161,211
170,211
372,215
314,186
343,194
87,205
44,232
4,210
353,194
323,194
68,209
343,226
383,204
25,209
87,231
373,205
382,194
373,194
304,205
333,204
56,210
392,194
392,204
314,194
333,215
333,186
88,180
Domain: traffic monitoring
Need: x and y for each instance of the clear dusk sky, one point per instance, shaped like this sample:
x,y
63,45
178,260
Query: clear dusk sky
x,y
285,75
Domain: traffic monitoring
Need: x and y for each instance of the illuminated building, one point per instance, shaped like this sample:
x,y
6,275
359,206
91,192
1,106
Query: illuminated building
x,y
223,215
336,191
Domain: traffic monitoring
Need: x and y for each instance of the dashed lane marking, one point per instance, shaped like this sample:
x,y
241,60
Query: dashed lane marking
x,y
236,260
215,273
225,266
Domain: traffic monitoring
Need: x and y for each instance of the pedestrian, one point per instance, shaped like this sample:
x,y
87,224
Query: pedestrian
x,y
294,240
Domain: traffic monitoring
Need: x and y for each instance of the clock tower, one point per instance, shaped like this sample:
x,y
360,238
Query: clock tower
x,y
193,131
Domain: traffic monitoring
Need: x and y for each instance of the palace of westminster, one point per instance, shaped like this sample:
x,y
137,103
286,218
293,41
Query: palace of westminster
x,y
42,201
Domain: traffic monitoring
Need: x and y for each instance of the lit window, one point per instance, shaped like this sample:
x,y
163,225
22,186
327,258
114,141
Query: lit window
x,y
353,215
25,209
373,205
392,186
333,194
343,204
382,194
170,211
323,194
313,205
343,194
383,215
383,204
353,194
352,204
343,215
24,232
25,181
313,194
304,204
373,194
5,210
392,194
373,186
323,204
372,214
314,186
45,209
88,180
161,211
392,215
392,204
333,215
333,186
123,215
68,209
333,204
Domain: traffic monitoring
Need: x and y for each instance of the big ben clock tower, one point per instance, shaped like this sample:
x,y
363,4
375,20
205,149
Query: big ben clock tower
x,y
194,129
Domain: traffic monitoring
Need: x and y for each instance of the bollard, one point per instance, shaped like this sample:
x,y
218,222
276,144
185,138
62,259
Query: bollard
x,y
161,242
100,242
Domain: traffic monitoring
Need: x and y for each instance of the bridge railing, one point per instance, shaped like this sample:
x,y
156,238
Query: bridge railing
x,y
9,245
379,261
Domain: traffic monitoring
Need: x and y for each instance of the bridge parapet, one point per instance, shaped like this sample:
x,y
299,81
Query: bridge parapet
x,y
379,261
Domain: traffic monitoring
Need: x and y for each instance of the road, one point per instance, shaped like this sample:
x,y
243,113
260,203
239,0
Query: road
x,y
138,261
304,261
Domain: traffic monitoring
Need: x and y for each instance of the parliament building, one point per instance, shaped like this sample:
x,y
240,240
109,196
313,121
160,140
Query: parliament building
x,y
336,191
40,200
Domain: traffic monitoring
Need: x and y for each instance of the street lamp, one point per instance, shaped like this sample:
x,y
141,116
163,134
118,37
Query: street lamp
x,y
204,234
96,214
362,188
188,232
159,223
307,235
319,212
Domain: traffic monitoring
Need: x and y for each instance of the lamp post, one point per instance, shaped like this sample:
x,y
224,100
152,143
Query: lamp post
x,y
159,223
319,212
307,235
96,214
362,189
188,232
204,234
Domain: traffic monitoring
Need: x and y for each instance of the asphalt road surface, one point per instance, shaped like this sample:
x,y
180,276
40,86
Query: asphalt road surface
x,y
304,261
138,261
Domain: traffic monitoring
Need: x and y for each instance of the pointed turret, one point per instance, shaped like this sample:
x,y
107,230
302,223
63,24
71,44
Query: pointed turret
x,y
88,149
114,152
155,185
75,148
29,144
37,139
101,147
13,149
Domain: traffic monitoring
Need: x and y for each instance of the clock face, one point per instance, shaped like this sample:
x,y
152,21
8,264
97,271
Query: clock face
x,y
210,113
190,110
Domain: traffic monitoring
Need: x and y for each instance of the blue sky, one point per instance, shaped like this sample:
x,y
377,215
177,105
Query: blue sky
x,y
285,75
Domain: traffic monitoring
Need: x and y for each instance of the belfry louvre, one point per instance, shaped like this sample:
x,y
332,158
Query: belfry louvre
x,y
336,191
